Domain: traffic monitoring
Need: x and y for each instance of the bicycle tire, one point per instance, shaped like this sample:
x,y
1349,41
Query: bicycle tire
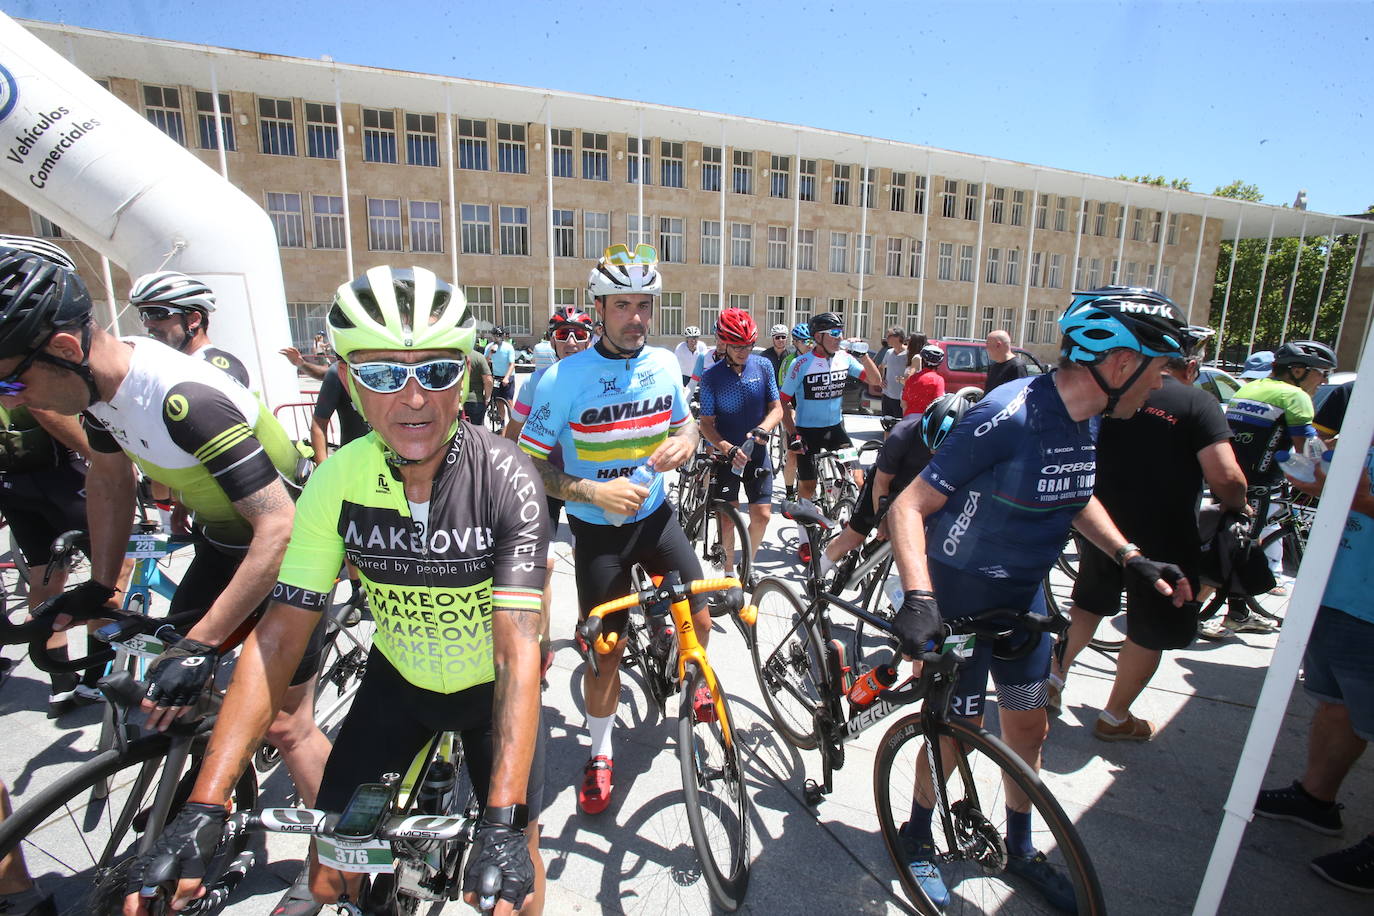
x,y
715,795
789,663
42,825
711,546
495,423
974,793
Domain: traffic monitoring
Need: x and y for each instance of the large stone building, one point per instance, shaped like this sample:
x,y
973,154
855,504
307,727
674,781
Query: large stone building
x,y
512,191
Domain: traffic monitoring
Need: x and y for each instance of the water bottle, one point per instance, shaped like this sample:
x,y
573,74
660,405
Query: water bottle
x,y
1326,461
1313,448
436,792
747,450
867,688
1298,466
643,476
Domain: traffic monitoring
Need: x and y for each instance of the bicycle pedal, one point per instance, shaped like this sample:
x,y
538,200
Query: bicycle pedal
x,y
813,793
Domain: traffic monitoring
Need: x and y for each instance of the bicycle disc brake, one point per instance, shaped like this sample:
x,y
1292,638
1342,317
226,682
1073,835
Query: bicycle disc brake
x,y
977,838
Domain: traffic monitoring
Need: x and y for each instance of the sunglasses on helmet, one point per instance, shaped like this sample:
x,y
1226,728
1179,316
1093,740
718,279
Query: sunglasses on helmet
x,y
620,253
388,377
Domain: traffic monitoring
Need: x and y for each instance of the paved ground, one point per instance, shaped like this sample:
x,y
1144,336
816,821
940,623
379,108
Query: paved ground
x,y
1149,813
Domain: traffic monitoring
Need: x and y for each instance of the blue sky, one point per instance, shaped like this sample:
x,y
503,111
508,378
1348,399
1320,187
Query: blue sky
x,y
1212,91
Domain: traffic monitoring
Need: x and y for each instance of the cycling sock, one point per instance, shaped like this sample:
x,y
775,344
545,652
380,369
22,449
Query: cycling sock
x,y
827,564
1019,833
601,727
1109,718
62,682
93,674
918,827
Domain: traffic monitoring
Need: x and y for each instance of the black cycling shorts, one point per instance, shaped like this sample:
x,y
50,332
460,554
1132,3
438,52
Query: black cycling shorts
x,y
41,505
555,510
504,389
865,517
392,720
893,407
1152,621
757,479
209,574
819,439
605,554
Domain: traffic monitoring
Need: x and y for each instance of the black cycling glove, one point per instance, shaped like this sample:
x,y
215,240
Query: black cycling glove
x,y
84,602
917,623
1148,570
180,673
506,849
188,843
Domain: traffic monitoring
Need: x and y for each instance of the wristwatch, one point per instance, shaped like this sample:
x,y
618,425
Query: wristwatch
x,y
1123,550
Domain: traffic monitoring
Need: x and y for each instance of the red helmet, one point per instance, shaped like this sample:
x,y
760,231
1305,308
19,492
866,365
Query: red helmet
x,y
736,326
570,319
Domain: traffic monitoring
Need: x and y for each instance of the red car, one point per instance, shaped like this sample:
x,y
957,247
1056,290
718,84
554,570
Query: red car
x,y
966,363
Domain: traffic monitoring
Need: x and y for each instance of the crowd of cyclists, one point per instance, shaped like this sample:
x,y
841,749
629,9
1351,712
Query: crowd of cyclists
x,y
445,527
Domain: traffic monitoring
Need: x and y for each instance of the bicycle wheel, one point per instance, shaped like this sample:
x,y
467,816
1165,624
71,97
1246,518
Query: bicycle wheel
x,y
715,795
973,863
495,421
711,548
788,662
75,829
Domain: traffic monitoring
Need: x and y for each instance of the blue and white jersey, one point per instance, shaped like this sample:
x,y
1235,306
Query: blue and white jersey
x,y
738,401
1016,471
817,386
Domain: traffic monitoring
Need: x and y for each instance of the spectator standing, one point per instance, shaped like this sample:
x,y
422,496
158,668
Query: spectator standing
x,y
893,362
688,350
925,385
1003,364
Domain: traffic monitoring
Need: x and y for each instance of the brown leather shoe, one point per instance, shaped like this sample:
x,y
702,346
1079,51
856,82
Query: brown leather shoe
x,y
1132,729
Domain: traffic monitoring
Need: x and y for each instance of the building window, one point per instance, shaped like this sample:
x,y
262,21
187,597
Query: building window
x,y
205,121
777,247
321,131
1095,273
562,153
864,256
742,172
514,230
862,309
1115,273
1008,320
709,311
1138,226
970,200
914,263
670,312
710,168
913,318
1018,208
940,329
779,176
949,199
638,234
1078,274
670,171
475,228
1149,276
1100,219
894,258
162,107
742,301
1166,280
741,245
328,213
285,212
511,156
1032,325
472,145
46,228
596,233
304,319
276,127
1156,226
426,234
1083,219
944,268
710,241
564,243
987,321
776,311
1132,268
1173,229
383,224
918,194
840,185
1042,211
565,299
962,320
1056,276
637,163
965,263
837,306
1119,222
379,135
806,249
867,177
994,271
839,252
806,179
999,205
671,246
890,315
422,140
515,309
801,311
1037,260
1013,266
482,304
1061,214
897,198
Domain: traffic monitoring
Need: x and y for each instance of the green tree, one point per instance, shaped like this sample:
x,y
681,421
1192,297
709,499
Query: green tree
x,y
1159,181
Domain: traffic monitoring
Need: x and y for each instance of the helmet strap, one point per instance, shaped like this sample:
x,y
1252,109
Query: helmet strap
x,y
1114,394
83,368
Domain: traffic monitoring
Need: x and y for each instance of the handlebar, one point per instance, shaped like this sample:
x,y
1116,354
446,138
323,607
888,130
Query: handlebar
x,y
126,627
663,592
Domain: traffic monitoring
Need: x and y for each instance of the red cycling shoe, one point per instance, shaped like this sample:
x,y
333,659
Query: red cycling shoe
x,y
595,794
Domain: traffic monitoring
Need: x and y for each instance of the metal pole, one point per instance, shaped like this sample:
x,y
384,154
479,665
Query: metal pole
x,y
1264,272
1350,288
219,121
1230,272
724,234
1321,287
1030,258
1163,240
1293,281
1078,237
1197,257
978,247
864,255
796,231
343,176
452,191
1121,246
548,190
639,170
925,247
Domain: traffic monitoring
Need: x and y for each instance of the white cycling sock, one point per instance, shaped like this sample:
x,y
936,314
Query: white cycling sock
x,y
1109,718
601,727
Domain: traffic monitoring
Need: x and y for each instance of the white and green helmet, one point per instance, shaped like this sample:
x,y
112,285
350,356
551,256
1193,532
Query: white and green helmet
x,y
399,308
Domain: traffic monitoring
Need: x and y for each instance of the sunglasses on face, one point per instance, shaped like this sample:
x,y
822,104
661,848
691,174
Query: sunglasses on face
x,y
10,384
833,332
385,378
575,334
157,312
779,336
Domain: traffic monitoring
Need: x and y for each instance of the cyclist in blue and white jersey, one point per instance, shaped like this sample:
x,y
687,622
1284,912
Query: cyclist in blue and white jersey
x,y
501,355
982,524
615,409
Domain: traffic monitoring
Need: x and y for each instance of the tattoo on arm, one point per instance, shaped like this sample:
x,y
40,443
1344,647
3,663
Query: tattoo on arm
x,y
271,498
564,486
528,624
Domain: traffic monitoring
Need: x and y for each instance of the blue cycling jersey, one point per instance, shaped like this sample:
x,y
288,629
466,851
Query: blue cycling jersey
x,y
817,385
1352,578
1016,470
739,401
500,356
609,415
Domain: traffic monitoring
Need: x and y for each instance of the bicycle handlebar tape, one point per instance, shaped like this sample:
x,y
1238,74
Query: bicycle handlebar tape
x,y
725,583
48,663
749,614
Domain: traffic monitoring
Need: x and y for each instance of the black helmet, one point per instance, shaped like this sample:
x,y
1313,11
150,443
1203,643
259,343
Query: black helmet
x,y
1109,318
1307,353
1195,338
940,417
37,297
825,321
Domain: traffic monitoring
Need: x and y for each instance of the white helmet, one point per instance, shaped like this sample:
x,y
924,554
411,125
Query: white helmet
x,y
692,331
623,271
176,290
779,330
41,247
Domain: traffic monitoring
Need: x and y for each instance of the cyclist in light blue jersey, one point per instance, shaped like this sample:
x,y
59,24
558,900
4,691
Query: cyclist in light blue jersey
x,y
501,355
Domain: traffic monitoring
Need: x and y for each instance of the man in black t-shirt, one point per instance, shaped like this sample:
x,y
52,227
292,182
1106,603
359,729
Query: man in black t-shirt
x,y
1150,470
334,399
1332,412
1003,364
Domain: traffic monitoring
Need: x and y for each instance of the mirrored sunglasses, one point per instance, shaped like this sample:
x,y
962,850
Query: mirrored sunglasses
x,y
620,254
833,332
386,377
579,335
